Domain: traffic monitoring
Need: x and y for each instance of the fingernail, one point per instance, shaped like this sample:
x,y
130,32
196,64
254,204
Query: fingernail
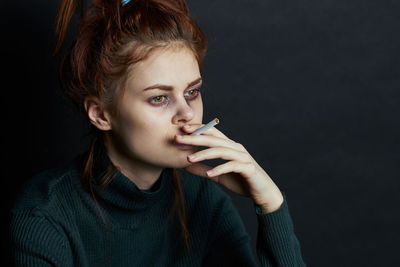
x,y
187,126
210,172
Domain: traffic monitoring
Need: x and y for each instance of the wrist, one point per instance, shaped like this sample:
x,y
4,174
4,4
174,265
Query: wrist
x,y
273,204
271,207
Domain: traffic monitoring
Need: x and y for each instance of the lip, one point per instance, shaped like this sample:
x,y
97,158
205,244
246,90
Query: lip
x,y
183,146
181,132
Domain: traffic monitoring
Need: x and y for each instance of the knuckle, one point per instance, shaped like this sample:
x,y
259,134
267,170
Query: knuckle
x,y
238,145
251,167
241,146
246,156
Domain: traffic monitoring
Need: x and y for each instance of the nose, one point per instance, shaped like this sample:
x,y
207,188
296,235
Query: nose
x,y
184,113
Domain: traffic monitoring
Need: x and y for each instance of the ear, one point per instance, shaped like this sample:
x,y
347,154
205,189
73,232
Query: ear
x,y
96,113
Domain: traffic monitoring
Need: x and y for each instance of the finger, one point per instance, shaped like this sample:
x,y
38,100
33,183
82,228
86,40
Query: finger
x,y
243,168
211,131
219,152
199,169
206,140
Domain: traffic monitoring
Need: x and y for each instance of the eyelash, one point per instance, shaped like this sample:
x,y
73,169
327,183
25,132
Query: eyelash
x,y
198,90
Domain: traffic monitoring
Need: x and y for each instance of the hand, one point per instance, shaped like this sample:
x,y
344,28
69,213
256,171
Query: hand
x,y
241,174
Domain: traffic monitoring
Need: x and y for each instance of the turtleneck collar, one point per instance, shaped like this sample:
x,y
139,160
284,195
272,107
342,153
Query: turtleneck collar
x,y
121,189
121,197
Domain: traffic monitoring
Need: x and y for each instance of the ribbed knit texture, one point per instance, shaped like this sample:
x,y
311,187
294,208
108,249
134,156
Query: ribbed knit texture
x,y
56,222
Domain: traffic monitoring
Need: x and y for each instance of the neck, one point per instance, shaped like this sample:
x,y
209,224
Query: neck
x,y
142,174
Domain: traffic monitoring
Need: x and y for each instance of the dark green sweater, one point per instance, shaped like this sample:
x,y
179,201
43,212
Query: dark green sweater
x,y
56,222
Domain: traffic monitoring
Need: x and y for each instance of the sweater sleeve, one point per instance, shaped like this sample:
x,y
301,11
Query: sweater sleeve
x,y
35,241
277,245
230,243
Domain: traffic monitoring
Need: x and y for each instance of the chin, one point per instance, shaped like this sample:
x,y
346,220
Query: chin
x,y
179,161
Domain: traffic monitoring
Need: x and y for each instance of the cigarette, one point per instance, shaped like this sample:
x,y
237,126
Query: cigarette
x,y
206,127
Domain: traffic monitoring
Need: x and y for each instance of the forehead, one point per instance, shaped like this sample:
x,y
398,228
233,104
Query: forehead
x,y
170,66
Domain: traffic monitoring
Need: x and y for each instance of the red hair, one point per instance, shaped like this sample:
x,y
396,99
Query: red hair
x,y
111,38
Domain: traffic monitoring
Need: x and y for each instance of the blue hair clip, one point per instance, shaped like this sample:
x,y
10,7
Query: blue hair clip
x,y
124,2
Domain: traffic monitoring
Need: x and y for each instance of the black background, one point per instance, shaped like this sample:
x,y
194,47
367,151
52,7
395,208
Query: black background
x,y
310,88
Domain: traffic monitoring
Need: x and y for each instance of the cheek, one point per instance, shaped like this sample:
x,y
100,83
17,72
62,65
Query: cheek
x,y
143,132
198,110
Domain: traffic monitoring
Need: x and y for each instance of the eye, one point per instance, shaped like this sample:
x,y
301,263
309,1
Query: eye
x,y
194,92
158,98
192,95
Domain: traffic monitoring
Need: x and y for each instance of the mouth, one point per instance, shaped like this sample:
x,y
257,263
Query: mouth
x,y
181,132
183,146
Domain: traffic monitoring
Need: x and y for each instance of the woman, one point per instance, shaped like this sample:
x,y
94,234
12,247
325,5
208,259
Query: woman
x,y
140,196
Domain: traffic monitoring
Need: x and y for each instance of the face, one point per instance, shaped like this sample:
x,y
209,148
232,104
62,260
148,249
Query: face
x,y
150,117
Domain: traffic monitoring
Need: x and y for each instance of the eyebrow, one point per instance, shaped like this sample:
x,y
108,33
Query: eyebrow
x,y
170,88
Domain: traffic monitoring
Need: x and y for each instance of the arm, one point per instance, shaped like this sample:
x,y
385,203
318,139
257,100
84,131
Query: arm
x,y
35,241
229,242
277,244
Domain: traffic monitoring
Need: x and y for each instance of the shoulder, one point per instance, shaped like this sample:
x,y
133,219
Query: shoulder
x,y
45,201
46,189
